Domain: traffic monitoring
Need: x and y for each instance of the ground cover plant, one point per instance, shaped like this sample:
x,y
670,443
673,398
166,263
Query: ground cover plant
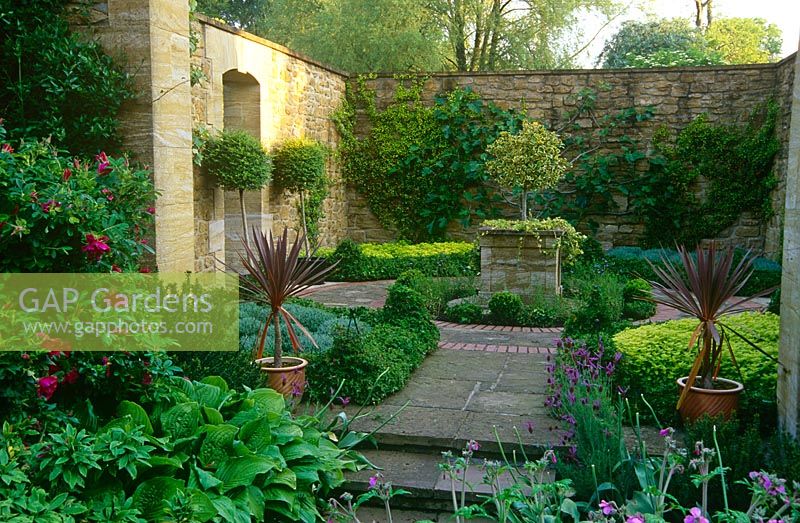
x,y
373,261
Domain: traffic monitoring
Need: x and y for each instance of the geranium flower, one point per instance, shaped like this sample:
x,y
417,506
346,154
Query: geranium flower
x,y
636,518
103,165
109,195
695,515
608,508
96,247
373,482
46,387
151,210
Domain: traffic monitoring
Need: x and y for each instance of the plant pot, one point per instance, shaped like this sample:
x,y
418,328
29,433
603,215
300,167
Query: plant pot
x,y
289,380
714,402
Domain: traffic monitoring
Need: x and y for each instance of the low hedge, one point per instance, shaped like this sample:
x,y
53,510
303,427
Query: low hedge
x,y
655,355
633,262
385,261
397,344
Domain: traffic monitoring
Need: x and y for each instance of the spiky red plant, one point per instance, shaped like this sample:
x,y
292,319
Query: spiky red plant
x,y
278,273
705,288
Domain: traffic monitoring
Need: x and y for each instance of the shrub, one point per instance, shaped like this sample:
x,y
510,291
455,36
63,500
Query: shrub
x,y
547,311
239,162
635,294
437,292
506,308
365,262
59,215
656,355
775,302
300,168
527,161
600,303
465,312
58,85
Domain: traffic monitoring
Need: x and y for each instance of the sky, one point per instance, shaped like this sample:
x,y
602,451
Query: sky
x,y
783,13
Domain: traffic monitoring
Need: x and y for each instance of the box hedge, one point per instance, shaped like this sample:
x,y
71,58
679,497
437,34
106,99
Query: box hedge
x,y
655,355
370,261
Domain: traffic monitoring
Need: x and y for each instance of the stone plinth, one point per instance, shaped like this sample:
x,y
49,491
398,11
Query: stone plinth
x,y
521,262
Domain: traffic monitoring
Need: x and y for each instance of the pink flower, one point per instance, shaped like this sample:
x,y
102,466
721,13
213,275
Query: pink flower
x,y
151,210
145,270
103,165
373,482
607,508
473,445
108,194
72,376
636,518
6,148
666,432
50,204
344,400
95,246
46,387
67,174
695,515
528,426
25,356
115,268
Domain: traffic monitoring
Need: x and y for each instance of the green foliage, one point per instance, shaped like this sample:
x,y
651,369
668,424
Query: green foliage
x,y
745,40
437,292
53,210
300,167
659,43
632,262
505,308
215,453
775,302
529,160
600,298
57,84
372,261
569,243
465,312
421,168
635,293
391,350
656,355
238,161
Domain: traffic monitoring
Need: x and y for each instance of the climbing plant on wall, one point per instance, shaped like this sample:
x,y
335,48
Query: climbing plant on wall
x,y
419,167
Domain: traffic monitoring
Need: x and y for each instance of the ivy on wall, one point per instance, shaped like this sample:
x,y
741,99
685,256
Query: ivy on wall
x,y
420,167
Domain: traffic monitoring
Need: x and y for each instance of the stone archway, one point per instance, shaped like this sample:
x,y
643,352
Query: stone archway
x,y
242,111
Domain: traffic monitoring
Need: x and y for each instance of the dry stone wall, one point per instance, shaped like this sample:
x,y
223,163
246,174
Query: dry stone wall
x,y
678,95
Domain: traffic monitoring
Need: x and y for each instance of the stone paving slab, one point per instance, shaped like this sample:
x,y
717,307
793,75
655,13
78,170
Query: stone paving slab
x,y
489,337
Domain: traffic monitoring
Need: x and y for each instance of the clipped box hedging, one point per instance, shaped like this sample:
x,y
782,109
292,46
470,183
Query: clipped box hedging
x,y
655,355
385,261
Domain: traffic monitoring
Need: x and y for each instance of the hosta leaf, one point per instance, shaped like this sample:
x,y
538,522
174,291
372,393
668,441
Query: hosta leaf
x,y
236,472
256,434
204,479
268,400
299,449
217,445
216,381
285,477
209,395
202,507
149,496
251,500
182,420
137,414
286,432
212,416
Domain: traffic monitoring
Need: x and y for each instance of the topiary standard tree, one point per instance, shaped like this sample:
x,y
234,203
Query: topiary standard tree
x,y
239,162
527,161
300,168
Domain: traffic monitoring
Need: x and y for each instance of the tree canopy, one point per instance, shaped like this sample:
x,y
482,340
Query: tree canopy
x,y
675,42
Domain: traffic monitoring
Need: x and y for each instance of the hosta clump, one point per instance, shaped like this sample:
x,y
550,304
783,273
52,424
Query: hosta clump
x,y
201,453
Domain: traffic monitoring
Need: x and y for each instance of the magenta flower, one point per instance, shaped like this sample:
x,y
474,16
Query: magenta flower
x,y
608,508
72,376
373,482
103,165
695,515
473,445
6,148
528,426
344,400
49,204
636,518
151,210
46,387
96,247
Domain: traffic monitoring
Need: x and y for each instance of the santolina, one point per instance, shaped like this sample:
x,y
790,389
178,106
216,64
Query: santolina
x,y
103,299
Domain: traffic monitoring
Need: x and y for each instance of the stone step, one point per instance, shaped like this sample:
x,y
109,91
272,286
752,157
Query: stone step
x,y
419,474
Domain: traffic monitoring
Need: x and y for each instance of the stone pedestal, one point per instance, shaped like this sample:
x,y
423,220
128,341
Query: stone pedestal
x,y
520,262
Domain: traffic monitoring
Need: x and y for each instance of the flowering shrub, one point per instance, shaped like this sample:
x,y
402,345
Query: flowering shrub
x,y
66,215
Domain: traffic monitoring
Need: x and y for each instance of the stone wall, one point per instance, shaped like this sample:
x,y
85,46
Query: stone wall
x,y
789,356
273,93
678,95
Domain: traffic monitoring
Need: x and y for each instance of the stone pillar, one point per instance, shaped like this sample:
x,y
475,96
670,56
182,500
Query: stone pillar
x,y
789,356
152,37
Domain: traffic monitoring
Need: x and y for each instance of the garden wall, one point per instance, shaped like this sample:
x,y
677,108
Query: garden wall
x,y
678,95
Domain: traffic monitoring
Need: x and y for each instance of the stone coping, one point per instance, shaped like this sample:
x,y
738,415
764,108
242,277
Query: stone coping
x,y
555,233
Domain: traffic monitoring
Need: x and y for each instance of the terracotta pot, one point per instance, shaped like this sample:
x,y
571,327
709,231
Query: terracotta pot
x,y
713,402
289,380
